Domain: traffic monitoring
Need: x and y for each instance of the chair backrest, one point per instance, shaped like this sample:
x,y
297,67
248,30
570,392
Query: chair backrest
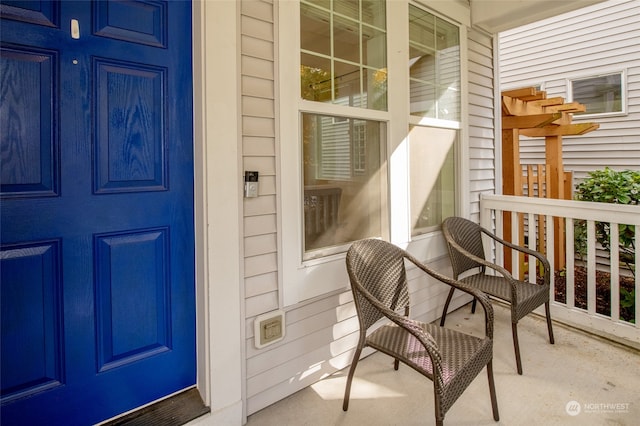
x,y
377,267
468,235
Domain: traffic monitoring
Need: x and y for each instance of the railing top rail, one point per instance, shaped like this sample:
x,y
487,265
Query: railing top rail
x,y
585,210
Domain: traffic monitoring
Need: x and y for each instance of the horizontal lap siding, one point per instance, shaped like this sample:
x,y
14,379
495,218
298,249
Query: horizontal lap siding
x,y
259,153
599,39
481,119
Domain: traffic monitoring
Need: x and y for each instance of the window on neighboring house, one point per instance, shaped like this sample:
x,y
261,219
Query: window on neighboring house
x,y
434,70
601,95
359,148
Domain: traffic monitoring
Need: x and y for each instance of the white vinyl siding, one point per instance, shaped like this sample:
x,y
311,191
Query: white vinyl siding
x,y
322,332
258,153
481,129
597,40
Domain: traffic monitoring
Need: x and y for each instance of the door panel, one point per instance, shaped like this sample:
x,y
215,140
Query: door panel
x,y
129,152
31,312
29,162
97,258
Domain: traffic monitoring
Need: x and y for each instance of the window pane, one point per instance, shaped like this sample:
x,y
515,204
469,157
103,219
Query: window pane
x,y
432,176
376,81
351,52
346,39
422,75
599,94
316,36
374,13
343,180
347,8
374,50
447,39
347,84
315,78
434,66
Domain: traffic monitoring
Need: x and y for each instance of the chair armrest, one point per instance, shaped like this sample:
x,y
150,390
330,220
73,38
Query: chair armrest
x,y
543,259
479,295
484,262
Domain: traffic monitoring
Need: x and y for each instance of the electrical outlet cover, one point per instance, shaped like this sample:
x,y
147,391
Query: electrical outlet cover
x,y
268,328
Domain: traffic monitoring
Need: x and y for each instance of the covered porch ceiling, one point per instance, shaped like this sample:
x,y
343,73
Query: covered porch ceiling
x,y
495,16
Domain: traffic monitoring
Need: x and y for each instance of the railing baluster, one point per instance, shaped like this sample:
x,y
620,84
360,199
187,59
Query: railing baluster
x,y
549,236
571,260
531,261
515,236
614,259
591,266
637,287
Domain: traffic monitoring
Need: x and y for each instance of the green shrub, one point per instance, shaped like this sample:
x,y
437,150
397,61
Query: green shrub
x,y
618,187
610,186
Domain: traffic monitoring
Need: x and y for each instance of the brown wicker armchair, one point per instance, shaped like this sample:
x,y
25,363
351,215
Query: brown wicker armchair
x,y
449,358
466,251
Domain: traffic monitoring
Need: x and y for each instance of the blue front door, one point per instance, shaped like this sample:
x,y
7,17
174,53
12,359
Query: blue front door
x,y
97,257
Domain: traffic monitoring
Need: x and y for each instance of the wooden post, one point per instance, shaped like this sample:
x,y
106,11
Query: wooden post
x,y
528,112
511,168
511,181
555,167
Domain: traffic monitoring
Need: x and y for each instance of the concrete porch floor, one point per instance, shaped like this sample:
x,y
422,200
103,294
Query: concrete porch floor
x,y
602,377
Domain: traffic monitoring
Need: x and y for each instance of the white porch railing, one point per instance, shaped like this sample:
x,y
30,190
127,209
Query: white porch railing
x,y
612,325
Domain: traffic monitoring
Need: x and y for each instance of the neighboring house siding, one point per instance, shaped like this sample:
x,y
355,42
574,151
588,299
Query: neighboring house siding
x,y
590,41
321,333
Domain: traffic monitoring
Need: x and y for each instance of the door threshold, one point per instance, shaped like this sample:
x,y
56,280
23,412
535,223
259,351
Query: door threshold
x,y
174,411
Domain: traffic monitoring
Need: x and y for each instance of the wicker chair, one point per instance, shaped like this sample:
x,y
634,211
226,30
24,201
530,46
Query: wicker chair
x,y
449,358
466,251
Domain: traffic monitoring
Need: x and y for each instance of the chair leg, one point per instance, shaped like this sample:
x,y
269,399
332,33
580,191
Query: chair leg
x,y
492,391
549,327
352,370
516,346
473,305
396,365
437,407
446,306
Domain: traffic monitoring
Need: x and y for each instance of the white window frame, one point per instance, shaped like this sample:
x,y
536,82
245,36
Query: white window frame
x,y
302,280
604,73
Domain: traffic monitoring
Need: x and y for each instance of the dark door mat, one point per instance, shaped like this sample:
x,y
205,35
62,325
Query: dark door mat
x,y
174,411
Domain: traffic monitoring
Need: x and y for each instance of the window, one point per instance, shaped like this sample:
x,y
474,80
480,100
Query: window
x,y
434,92
342,183
367,146
434,66
343,47
432,176
601,95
